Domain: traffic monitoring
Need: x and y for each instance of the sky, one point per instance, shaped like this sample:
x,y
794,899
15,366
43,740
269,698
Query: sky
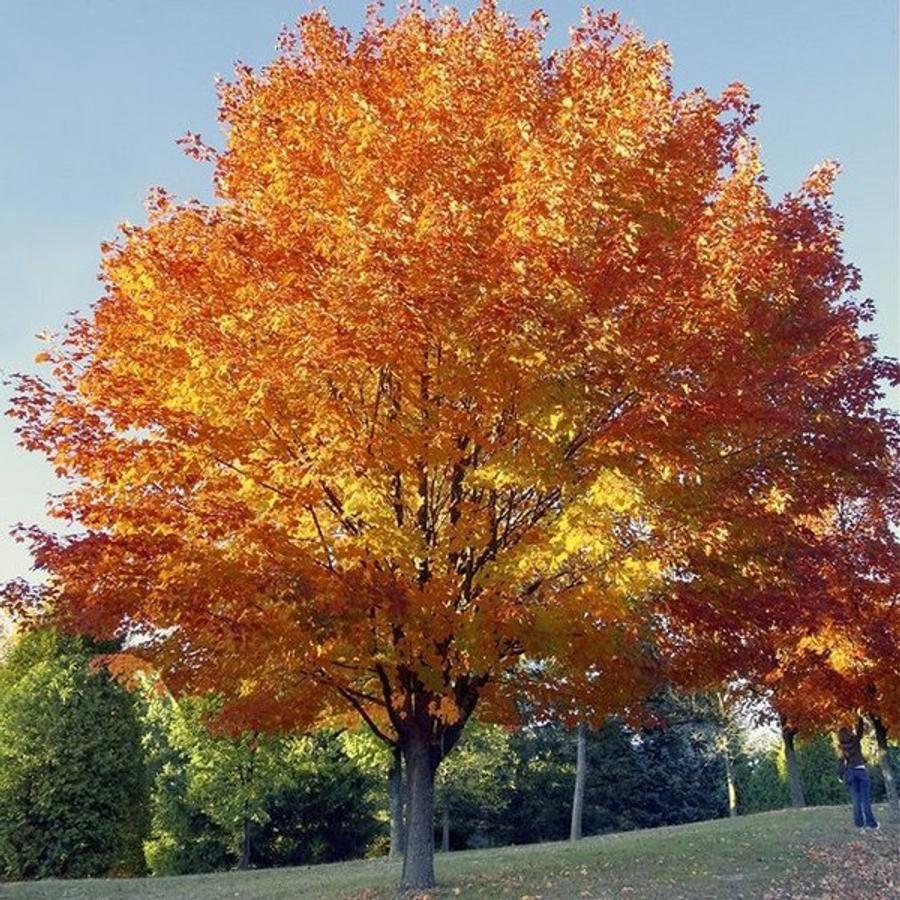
x,y
93,94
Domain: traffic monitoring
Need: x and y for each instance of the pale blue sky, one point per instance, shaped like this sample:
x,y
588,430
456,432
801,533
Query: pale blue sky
x,y
94,92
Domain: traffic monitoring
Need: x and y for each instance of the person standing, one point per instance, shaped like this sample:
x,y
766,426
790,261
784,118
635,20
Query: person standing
x,y
856,776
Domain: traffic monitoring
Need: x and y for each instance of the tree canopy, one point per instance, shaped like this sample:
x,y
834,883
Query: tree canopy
x,y
74,799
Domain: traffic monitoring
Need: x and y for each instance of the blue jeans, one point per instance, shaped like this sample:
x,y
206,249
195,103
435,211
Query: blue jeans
x,y
857,781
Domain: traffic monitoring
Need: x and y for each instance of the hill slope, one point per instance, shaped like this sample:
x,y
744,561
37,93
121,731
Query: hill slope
x,y
804,854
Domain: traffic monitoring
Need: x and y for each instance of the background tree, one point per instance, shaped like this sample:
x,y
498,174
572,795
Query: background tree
x,y
221,801
230,779
371,755
726,742
692,743
847,664
830,660
791,765
397,802
761,782
472,354
325,810
73,789
636,777
581,766
183,838
540,803
473,786
683,779
887,764
818,765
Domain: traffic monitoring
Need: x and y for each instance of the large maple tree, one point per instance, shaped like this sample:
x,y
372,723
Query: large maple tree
x,y
474,353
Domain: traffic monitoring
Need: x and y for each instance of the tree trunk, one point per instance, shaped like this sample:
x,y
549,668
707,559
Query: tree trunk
x,y
731,784
246,777
445,828
887,770
580,779
795,779
424,741
244,861
725,744
395,799
421,766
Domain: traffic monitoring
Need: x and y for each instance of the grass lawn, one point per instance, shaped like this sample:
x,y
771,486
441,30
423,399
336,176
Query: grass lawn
x,y
807,854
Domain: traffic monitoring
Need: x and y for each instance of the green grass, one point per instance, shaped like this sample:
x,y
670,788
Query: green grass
x,y
807,854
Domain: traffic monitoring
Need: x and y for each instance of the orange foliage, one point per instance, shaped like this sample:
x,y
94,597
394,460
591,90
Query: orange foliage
x,y
811,614
848,662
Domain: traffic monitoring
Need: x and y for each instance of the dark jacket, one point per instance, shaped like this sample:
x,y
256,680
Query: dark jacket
x,y
851,751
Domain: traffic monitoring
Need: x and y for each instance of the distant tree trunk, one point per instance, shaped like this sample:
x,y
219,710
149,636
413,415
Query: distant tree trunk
x,y
730,783
445,827
725,745
244,861
580,779
397,804
887,770
246,772
795,779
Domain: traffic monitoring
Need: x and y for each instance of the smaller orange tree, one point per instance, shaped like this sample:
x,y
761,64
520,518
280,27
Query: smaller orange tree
x,y
811,618
475,356
848,665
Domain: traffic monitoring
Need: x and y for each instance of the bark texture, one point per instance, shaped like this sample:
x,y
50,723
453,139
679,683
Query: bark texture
x,y
887,770
244,861
445,828
421,765
725,744
424,739
395,799
795,779
580,781
730,783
